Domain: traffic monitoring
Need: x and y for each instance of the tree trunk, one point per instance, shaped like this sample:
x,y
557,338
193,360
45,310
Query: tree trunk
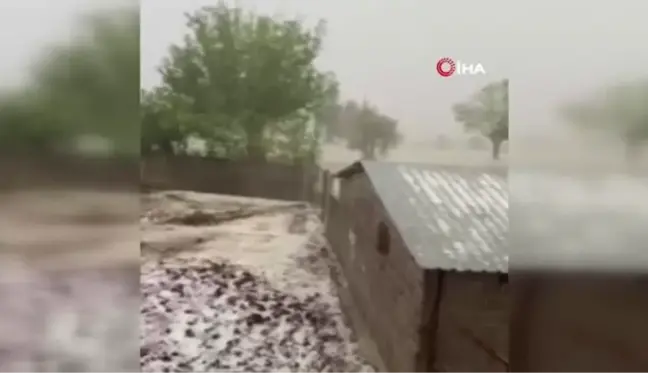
x,y
166,147
497,147
369,146
369,153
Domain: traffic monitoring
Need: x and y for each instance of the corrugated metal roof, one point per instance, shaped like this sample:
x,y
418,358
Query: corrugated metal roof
x,y
450,217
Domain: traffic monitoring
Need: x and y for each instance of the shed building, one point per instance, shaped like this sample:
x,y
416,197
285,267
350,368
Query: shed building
x,y
424,252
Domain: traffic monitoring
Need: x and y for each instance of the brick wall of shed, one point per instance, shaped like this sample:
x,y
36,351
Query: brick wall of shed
x,y
388,289
473,325
585,323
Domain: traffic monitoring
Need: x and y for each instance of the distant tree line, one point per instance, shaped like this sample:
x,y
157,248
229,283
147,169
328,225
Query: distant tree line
x,y
244,85
618,111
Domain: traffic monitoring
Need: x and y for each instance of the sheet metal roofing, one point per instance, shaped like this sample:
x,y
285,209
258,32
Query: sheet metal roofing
x,y
450,217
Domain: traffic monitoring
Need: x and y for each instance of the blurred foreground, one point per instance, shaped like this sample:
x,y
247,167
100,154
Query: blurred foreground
x,y
69,270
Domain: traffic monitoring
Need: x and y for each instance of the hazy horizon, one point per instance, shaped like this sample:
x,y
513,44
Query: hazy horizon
x,y
388,54
551,52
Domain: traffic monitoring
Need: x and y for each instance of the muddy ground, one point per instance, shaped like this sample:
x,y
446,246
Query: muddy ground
x,y
280,243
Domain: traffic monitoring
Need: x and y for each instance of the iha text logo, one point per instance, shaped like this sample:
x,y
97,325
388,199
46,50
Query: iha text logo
x,y
447,67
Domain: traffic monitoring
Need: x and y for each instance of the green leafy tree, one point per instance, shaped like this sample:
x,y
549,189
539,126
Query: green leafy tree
x,y
620,111
86,87
25,125
169,126
487,113
295,140
165,121
369,131
247,71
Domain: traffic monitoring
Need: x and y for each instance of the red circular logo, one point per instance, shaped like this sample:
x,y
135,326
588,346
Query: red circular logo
x,y
446,67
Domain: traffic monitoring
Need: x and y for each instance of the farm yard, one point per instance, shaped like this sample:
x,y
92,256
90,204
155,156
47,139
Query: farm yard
x,y
309,201
228,255
269,255
238,284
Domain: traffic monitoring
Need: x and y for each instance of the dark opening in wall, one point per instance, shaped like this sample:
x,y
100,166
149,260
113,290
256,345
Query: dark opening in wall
x,y
383,238
502,279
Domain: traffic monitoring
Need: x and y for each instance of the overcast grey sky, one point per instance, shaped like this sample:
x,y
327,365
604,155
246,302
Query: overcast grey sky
x,y
386,54
386,51
37,24
26,26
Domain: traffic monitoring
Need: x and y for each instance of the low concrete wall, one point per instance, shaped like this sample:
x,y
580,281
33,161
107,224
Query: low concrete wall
x,y
240,177
62,171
